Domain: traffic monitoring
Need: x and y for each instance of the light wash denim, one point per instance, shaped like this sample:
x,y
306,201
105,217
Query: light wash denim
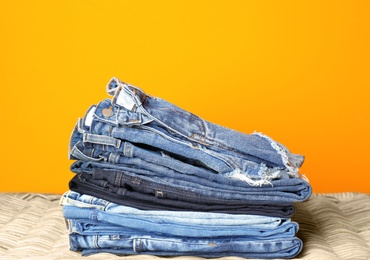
x,y
175,246
71,198
173,233
95,227
177,227
135,117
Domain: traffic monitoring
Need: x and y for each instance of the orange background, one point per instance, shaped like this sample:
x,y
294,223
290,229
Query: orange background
x,y
297,71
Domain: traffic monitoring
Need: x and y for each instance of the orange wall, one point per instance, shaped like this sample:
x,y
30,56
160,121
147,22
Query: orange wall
x,y
297,71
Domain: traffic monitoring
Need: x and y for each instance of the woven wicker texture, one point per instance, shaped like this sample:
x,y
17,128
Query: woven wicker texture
x,y
332,226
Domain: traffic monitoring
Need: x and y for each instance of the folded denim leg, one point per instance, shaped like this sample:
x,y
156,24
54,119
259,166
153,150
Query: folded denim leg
x,y
152,178
82,183
177,227
172,246
219,160
282,191
185,125
71,198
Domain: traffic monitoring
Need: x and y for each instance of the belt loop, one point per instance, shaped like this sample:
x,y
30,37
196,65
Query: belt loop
x,y
76,153
101,139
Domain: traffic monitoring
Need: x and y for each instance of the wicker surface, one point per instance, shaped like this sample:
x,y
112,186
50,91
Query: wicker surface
x,y
332,226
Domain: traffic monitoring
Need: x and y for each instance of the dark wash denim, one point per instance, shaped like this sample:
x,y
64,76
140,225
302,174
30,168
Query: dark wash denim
x,y
281,191
125,195
168,188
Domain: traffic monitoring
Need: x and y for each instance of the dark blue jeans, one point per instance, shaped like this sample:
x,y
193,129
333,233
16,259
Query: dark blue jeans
x,y
117,187
281,191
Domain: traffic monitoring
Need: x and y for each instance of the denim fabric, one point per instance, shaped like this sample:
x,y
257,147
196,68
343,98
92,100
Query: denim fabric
x,y
181,125
95,227
172,246
177,227
71,198
180,190
181,136
164,166
282,191
152,178
84,184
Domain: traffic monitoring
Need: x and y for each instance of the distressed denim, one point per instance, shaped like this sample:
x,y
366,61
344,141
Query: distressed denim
x,y
183,125
152,178
137,118
174,246
164,166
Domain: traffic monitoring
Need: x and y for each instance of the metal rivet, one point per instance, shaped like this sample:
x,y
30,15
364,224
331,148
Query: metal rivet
x,y
107,112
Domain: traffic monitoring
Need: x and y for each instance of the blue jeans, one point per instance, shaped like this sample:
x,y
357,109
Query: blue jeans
x,y
84,183
211,186
175,227
185,126
132,231
71,198
174,246
140,119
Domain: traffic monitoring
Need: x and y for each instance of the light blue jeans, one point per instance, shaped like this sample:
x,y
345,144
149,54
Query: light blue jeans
x,y
71,198
175,246
125,231
173,223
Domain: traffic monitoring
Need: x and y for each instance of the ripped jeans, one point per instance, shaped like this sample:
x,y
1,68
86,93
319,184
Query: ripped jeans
x,y
155,125
165,183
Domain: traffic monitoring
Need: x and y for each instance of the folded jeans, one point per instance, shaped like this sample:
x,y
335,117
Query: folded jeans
x,y
171,246
282,191
136,117
84,184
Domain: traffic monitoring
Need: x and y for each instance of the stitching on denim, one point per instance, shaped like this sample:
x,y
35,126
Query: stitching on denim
x,y
119,178
169,190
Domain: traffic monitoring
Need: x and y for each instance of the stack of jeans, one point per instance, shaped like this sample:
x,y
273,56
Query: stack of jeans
x,y
152,178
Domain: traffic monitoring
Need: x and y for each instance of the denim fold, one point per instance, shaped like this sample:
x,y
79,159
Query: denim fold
x,y
281,191
152,178
84,184
172,246
71,198
254,158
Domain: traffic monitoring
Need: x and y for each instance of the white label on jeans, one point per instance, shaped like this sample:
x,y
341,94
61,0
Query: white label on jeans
x,y
89,117
125,100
